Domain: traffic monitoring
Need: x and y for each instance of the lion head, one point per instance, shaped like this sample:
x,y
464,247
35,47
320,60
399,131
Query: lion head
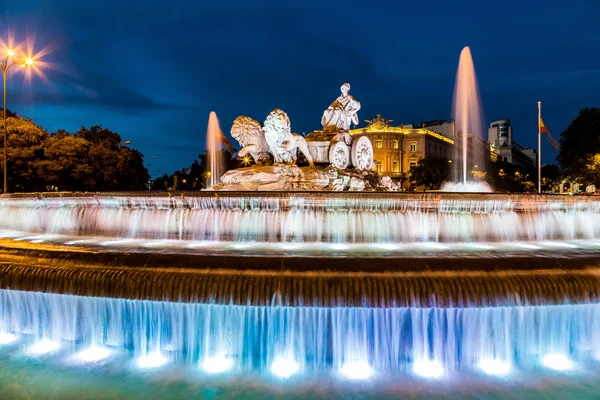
x,y
246,130
277,127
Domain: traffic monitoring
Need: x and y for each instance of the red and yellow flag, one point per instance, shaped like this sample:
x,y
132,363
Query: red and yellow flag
x,y
543,128
553,142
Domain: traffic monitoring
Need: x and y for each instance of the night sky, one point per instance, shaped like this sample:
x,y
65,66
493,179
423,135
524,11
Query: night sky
x,y
153,70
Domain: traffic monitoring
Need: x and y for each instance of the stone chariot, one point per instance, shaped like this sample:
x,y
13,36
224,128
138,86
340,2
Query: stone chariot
x,y
340,150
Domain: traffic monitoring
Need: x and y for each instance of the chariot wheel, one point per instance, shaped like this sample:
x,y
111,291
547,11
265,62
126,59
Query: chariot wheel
x,y
339,155
362,153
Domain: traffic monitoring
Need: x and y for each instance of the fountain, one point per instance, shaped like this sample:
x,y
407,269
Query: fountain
x,y
467,112
214,144
320,276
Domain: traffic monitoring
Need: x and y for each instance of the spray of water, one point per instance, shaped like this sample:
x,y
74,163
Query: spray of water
x,y
467,113
215,157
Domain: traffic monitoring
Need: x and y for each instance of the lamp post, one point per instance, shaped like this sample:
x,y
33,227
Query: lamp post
x,y
9,62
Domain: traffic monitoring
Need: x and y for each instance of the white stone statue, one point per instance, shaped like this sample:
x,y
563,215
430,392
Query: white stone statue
x,y
283,144
249,134
342,112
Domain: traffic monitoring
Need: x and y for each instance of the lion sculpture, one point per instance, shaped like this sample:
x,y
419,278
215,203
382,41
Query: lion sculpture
x,y
283,144
249,134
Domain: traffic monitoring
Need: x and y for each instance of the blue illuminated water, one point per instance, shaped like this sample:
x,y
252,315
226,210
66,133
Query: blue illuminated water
x,y
312,344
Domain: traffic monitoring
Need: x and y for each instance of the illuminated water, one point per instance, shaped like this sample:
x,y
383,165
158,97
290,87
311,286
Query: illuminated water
x,y
58,345
307,219
468,114
142,348
214,144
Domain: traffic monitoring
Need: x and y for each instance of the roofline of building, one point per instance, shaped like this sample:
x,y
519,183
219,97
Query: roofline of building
x,y
402,131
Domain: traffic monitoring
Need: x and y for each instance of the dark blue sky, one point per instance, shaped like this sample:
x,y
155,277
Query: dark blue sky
x,y
153,70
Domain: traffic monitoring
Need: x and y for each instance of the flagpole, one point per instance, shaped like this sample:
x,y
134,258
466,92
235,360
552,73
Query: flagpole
x,y
539,160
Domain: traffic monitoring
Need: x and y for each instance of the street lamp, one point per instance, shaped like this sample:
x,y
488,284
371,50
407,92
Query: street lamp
x,y
5,66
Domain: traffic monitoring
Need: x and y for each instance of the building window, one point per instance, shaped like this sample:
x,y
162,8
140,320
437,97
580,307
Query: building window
x,y
413,146
395,166
379,144
413,163
395,144
378,166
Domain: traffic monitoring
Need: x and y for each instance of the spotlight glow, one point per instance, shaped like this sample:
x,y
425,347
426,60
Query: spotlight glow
x,y
93,354
339,246
495,367
387,246
557,362
357,370
217,365
428,369
43,347
8,338
284,367
559,245
152,360
527,246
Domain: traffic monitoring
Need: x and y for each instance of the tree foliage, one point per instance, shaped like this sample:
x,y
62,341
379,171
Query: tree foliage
x,y
430,172
93,159
580,146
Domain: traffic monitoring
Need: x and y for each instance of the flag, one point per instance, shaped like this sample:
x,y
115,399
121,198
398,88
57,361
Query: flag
x,y
544,130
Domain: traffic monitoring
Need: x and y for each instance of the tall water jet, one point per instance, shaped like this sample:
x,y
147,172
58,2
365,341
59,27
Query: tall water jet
x,y
467,113
216,157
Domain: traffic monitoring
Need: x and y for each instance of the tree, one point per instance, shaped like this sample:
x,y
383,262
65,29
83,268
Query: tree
x,y
579,146
430,172
115,166
25,150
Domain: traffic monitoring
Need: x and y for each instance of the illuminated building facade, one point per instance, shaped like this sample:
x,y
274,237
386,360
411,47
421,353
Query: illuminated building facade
x,y
398,148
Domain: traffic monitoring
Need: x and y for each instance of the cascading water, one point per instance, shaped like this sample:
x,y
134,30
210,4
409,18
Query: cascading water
x,y
467,113
392,327
383,341
308,219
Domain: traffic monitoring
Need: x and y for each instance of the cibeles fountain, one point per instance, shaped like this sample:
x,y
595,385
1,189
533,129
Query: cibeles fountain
x,y
298,293
334,160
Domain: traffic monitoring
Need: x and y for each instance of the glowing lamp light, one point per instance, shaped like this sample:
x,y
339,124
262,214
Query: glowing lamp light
x,y
494,367
357,370
8,338
217,365
43,347
10,53
93,354
152,360
428,369
28,61
557,362
284,367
